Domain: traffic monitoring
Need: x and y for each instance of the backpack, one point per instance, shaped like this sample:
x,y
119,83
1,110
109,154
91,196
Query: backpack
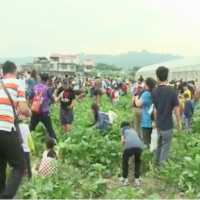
x,y
112,116
37,100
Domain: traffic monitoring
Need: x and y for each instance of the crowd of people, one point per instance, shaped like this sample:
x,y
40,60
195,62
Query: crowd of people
x,y
29,97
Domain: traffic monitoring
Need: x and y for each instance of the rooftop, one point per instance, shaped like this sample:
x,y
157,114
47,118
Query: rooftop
x,y
184,62
55,55
69,56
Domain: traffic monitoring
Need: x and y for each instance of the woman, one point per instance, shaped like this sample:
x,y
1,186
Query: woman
x,y
32,81
101,119
67,98
145,102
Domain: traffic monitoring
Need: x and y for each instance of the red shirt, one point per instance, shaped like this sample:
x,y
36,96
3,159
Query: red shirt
x,y
123,88
112,94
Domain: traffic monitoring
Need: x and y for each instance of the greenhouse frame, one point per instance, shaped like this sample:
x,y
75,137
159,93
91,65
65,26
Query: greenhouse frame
x,y
185,68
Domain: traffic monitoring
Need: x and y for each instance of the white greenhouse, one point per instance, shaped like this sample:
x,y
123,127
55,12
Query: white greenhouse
x,y
185,68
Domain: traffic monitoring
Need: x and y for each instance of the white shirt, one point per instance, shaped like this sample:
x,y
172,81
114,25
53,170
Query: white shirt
x,y
24,129
23,82
142,84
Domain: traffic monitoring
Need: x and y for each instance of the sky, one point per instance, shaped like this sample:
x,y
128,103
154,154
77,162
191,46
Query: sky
x,y
43,27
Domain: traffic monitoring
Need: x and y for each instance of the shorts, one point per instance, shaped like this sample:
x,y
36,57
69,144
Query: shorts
x,y
97,92
66,116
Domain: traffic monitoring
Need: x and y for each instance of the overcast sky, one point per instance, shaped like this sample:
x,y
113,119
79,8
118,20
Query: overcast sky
x,y
42,27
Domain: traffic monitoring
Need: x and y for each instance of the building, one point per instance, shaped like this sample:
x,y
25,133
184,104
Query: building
x,y
186,69
59,64
88,65
27,67
41,64
68,63
63,64
54,64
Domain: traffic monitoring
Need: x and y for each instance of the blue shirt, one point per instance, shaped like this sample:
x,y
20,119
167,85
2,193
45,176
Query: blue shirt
x,y
31,82
102,122
146,118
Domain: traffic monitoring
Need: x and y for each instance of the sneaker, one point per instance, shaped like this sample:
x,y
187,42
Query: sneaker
x,y
137,182
124,181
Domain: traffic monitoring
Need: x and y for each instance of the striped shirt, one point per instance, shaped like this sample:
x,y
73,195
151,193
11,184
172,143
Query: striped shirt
x,y
17,93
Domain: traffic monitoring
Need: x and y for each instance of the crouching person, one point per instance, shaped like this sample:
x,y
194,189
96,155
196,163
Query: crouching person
x,y
47,165
132,146
101,119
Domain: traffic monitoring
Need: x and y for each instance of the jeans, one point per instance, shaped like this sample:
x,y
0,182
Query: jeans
x,y
45,119
188,123
91,92
163,147
11,153
136,152
28,164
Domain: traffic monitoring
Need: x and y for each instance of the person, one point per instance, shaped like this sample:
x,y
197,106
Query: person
x,y
187,90
132,146
137,111
115,96
27,145
42,97
11,151
46,166
22,79
97,90
101,119
124,89
32,81
165,101
188,112
67,99
145,102
196,95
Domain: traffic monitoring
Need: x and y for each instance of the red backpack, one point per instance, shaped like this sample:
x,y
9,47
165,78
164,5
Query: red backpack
x,y
37,100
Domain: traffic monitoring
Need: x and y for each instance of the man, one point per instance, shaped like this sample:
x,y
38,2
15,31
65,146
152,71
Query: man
x,y
97,90
10,145
41,92
66,97
165,101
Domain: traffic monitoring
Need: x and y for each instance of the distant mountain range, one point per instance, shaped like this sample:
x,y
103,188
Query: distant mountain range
x,y
124,60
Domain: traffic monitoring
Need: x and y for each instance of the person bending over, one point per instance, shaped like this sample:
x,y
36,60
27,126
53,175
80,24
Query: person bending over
x,y
132,146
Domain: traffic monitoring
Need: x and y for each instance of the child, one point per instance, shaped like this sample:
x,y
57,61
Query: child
x,y
132,146
27,144
46,167
124,89
188,111
115,96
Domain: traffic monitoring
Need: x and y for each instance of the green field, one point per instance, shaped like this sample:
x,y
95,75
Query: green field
x,y
90,163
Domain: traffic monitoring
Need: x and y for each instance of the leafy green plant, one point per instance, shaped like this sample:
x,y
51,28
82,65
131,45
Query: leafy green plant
x,y
90,161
